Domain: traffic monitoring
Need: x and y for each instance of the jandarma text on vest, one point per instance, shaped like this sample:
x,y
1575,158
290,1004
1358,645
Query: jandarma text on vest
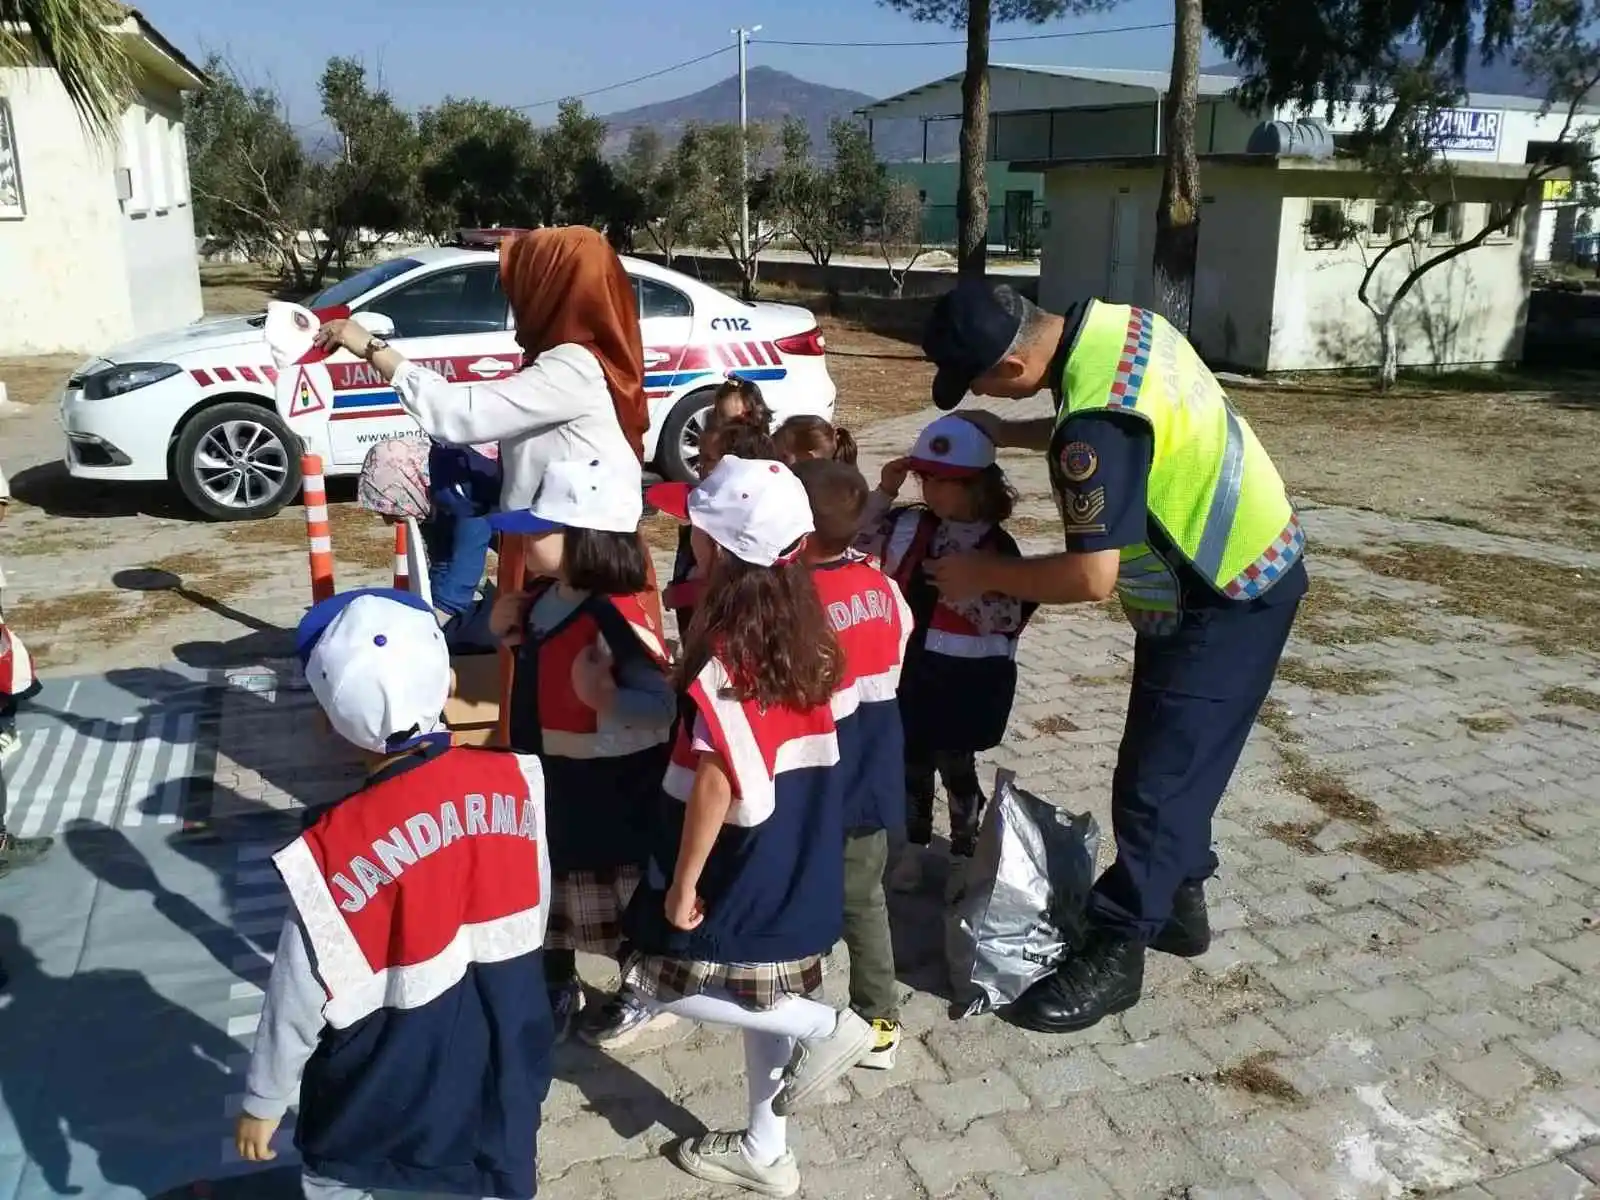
x,y
873,605
423,835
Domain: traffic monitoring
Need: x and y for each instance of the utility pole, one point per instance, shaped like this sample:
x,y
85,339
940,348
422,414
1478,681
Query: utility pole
x,y
743,37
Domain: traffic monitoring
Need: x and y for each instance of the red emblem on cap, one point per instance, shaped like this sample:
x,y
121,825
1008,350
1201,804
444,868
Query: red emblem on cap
x,y
940,445
773,468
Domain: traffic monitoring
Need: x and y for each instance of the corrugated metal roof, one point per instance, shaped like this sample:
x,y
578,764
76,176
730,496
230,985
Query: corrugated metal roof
x,y
1209,85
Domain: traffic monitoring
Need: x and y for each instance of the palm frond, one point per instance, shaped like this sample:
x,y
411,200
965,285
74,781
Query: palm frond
x,y
78,39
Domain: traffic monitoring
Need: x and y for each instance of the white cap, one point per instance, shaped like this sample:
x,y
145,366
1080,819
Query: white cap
x,y
754,509
952,447
290,330
594,493
376,661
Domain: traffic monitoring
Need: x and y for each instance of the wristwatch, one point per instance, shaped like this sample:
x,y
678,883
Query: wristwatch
x,y
374,344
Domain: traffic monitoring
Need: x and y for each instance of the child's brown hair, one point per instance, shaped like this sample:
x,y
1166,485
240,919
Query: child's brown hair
x,y
740,437
768,627
838,495
803,438
748,395
993,497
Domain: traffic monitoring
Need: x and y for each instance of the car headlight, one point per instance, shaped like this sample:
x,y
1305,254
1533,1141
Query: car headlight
x,y
127,377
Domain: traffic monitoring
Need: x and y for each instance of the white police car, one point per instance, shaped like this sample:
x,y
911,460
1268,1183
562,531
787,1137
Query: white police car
x,y
196,405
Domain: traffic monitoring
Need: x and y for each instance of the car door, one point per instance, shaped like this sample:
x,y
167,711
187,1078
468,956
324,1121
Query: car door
x,y
454,321
666,322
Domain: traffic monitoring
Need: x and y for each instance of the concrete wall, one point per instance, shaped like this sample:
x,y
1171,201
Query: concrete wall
x,y
1471,310
158,226
81,271
63,285
941,179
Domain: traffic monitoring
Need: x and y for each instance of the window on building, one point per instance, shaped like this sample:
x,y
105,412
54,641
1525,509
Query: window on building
x,y
133,157
1326,223
447,302
160,160
1513,226
659,300
11,205
1381,230
1444,224
178,147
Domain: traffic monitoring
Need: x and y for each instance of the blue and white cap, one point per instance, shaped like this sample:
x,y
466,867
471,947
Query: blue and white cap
x,y
376,661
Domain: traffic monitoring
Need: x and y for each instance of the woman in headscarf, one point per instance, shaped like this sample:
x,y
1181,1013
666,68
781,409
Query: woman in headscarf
x,y
580,393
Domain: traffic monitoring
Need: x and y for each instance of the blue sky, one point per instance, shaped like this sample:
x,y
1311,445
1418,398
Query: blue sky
x,y
519,53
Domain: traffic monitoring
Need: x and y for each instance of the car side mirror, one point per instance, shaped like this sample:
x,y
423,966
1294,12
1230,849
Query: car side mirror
x,y
375,323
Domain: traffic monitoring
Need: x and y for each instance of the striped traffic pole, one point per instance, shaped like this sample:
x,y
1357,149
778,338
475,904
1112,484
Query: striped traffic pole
x,y
508,582
318,533
402,567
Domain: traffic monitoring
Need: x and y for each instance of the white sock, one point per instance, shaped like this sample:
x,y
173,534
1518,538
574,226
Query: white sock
x,y
793,1016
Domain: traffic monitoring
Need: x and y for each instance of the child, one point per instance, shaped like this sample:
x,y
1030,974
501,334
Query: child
x,y
739,400
408,984
744,892
449,491
17,682
960,673
872,622
803,438
590,696
742,439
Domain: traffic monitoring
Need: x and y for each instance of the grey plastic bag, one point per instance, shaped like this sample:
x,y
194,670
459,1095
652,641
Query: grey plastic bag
x,y
1020,907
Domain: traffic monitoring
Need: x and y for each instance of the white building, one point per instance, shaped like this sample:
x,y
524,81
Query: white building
x,y
96,236
1268,296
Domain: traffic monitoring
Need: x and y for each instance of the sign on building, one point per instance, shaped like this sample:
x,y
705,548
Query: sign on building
x,y
1467,129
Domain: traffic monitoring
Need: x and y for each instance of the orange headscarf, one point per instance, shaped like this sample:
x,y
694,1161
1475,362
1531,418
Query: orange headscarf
x,y
567,285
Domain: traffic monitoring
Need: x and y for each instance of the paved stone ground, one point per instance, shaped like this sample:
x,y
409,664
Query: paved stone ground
x,y
1404,1000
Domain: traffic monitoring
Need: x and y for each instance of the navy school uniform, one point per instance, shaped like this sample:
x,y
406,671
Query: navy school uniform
x,y
1195,693
773,886
959,680
873,624
602,777
423,901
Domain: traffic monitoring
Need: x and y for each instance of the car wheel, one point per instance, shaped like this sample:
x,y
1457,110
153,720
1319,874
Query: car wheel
x,y
679,451
234,462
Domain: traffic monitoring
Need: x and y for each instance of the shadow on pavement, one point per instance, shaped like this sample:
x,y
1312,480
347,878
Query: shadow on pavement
x,y
121,1071
49,487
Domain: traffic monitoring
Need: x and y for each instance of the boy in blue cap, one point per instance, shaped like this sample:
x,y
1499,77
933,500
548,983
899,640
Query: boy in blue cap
x,y
406,1005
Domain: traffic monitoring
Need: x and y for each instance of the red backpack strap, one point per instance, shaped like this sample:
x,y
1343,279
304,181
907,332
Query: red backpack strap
x,y
906,568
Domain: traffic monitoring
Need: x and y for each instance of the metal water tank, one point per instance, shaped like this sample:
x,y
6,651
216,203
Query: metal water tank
x,y
1305,138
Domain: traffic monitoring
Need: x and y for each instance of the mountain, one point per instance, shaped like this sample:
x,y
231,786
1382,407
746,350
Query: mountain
x,y
773,95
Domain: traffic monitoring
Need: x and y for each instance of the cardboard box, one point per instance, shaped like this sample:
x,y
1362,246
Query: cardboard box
x,y
473,711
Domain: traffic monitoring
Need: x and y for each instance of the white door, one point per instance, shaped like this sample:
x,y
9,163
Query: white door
x,y
454,321
666,321
1122,271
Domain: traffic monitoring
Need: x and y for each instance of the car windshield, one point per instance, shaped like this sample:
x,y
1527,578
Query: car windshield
x,y
362,282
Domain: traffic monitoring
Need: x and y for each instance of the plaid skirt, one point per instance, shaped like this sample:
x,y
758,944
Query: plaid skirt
x,y
756,986
586,909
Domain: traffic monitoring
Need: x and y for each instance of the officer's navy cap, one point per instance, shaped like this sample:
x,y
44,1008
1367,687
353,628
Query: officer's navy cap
x,y
968,333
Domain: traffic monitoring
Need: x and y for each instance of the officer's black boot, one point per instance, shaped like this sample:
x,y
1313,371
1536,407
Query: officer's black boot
x,y
1187,932
1106,976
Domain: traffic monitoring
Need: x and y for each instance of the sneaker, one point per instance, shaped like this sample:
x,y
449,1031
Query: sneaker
x,y
821,1062
885,1044
566,999
722,1158
22,852
620,1021
10,743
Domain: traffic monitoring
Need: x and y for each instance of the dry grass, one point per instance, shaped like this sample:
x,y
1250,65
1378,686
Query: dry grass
x,y
1329,679
1488,723
1332,615
1055,724
1523,463
1326,789
1417,851
1033,527
36,379
1555,604
661,532
1572,697
1298,835
1256,1076
1275,715
228,289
